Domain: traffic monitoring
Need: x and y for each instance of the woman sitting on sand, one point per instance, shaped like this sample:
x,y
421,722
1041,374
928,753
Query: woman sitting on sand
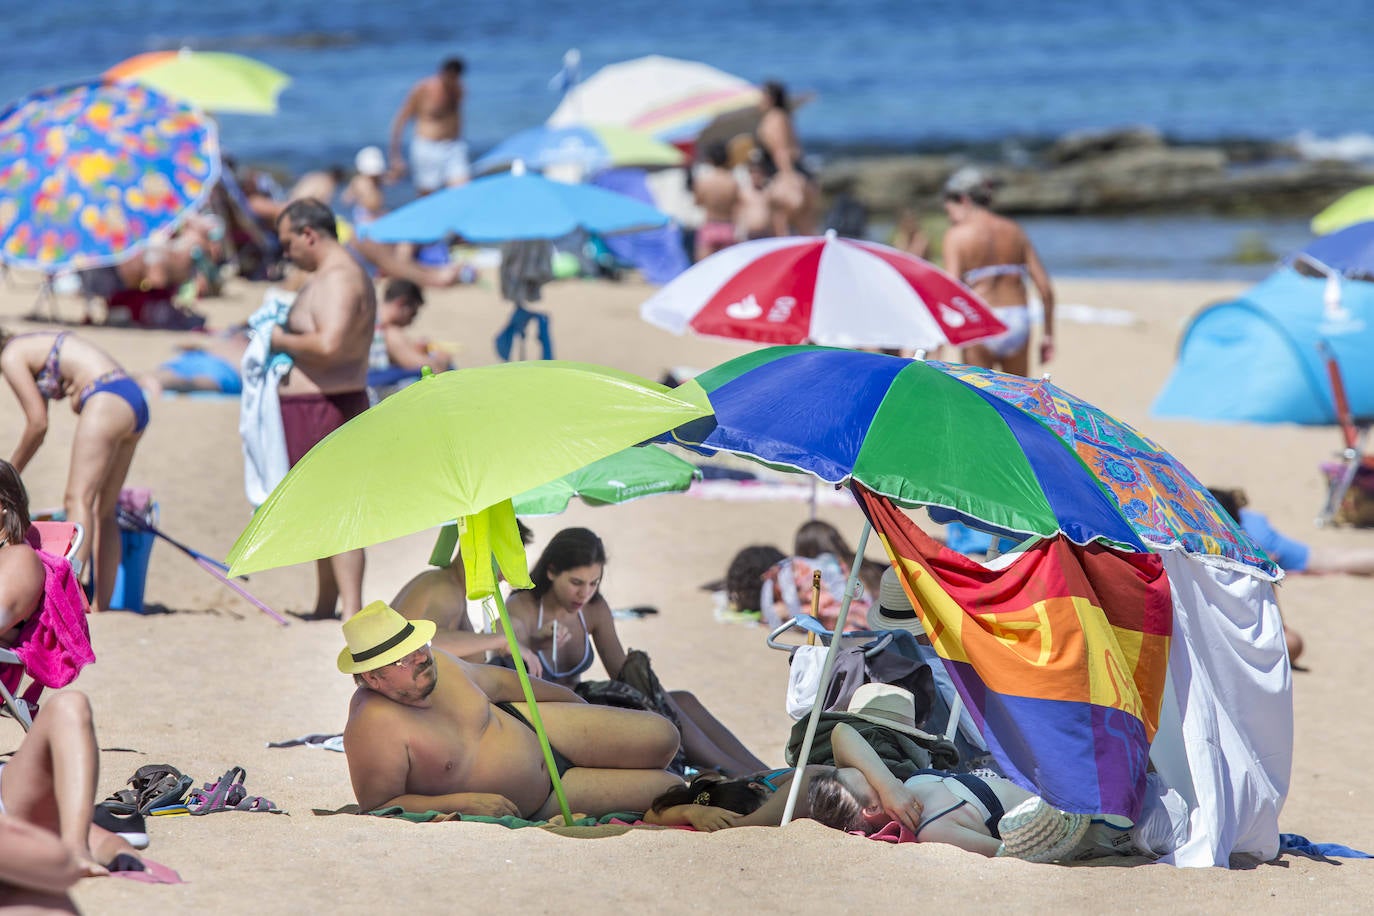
x,y
564,615
987,814
46,366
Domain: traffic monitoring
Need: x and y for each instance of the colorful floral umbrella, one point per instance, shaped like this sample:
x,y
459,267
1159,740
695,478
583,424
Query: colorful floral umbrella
x,y
590,147
620,478
214,80
826,290
90,172
1000,453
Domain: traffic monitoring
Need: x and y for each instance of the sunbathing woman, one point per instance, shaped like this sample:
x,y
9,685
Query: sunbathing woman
x,y
983,814
564,615
47,366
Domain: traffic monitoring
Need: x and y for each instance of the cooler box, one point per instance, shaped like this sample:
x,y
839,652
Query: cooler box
x,y
136,546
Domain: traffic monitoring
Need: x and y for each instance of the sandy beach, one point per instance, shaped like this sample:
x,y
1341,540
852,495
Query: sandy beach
x,y
203,681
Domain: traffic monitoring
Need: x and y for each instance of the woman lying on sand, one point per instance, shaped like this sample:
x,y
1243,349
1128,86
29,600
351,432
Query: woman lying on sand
x,y
983,814
563,616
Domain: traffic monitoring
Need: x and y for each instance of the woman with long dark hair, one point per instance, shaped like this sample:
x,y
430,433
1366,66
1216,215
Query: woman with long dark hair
x,y
558,622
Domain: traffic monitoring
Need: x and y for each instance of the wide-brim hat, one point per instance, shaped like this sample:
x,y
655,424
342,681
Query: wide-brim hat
x,y
887,705
893,610
378,635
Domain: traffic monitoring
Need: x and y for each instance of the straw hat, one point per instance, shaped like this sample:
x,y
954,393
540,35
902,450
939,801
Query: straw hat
x,y
377,636
893,610
1037,831
887,705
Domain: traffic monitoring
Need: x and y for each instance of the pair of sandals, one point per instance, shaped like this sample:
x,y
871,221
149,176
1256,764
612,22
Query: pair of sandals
x,y
157,785
228,794
160,785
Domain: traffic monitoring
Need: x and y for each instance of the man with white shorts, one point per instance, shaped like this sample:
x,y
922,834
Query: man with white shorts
x,y
438,155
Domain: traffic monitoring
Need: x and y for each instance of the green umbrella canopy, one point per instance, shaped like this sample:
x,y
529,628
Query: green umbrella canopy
x,y
453,445
214,80
1352,208
612,480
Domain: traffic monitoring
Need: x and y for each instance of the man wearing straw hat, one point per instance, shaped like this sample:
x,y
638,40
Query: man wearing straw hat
x,y
427,731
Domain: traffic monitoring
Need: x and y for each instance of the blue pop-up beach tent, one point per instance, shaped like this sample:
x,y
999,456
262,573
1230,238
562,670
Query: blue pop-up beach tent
x,y
1258,358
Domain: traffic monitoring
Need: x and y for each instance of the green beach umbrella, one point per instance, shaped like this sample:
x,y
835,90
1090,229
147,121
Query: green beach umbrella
x,y
213,80
458,445
615,479
1349,209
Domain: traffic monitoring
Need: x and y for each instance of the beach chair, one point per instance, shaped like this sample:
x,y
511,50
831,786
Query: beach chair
x,y
60,539
804,633
1354,463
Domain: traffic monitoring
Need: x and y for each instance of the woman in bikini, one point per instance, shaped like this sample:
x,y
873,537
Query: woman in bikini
x,y
560,620
791,191
47,366
993,256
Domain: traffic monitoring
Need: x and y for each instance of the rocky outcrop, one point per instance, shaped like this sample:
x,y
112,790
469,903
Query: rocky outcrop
x,y
1118,172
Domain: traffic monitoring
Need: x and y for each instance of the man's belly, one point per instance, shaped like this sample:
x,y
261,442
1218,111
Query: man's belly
x,y
438,128
507,762
298,381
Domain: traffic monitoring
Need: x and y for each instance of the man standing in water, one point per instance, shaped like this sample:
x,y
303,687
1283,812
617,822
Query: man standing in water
x,y
438,155
328,334
992,255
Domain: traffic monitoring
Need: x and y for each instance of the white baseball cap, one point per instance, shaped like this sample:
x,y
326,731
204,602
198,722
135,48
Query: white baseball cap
x,y
370,161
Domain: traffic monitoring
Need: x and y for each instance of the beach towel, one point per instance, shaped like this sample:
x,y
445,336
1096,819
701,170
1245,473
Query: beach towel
x,y
265,461
1225,739
55,643
1060,656
787,592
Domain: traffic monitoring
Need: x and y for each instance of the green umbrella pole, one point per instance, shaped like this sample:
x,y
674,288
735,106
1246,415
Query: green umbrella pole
x,y
535,719
823,687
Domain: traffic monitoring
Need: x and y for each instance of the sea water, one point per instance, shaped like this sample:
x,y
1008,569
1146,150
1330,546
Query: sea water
x,y
985,76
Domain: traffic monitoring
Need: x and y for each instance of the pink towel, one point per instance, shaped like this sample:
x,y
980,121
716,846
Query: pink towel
x,y
894,832
55,643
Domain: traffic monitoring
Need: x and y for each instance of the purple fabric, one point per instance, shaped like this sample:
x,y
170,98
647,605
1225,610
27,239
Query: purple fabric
x,y
657,253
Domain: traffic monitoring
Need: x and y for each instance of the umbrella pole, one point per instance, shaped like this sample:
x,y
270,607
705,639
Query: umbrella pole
x,y
824,686
535,719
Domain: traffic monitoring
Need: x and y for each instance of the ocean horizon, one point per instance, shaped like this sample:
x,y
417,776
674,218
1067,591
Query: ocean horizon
x,y
989,79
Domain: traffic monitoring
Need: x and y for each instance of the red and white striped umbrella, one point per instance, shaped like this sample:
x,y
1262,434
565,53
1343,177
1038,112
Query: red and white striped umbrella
x,y
825,290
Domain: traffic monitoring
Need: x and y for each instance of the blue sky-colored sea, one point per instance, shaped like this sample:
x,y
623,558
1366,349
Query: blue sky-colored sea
x,y
985,74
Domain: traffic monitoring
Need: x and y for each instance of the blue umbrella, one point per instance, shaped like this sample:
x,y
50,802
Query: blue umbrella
x,y
90,172
1349,252
590,147
514,206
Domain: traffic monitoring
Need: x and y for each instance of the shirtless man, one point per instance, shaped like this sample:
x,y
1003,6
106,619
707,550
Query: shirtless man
x,y
718,194
429,732
992,255
438,155
328,334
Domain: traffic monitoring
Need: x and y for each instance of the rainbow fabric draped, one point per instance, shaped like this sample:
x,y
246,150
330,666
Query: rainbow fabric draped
x,y
1061,656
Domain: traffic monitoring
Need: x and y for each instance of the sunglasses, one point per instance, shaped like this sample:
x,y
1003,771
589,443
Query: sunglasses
x,y
410,659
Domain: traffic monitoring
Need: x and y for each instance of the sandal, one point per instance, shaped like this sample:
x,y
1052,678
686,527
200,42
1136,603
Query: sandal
x,y
158,785
228,794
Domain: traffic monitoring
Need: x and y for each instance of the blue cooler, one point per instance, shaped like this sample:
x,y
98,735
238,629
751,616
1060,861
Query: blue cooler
x,y
136,547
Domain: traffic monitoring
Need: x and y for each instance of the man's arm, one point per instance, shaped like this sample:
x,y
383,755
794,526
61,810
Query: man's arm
x,y
321,345
1041,278
502,685
404,115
